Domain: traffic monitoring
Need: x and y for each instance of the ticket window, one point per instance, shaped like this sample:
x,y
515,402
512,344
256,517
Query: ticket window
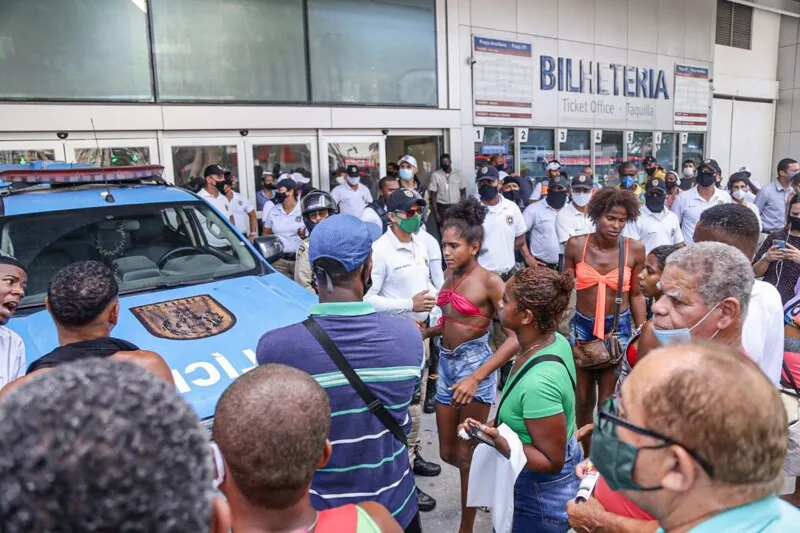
x,y
575,152
495,141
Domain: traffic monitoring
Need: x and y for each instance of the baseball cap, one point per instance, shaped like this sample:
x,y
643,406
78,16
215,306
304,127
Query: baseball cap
x,y
650,159
299,178
554,165
583,181
555,180
352,171
511,179
655,183
286,182
487,172
403,200
343,238
746,171
710,163
408,159
213,170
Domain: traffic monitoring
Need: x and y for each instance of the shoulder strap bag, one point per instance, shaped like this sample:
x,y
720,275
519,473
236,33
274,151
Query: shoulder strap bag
x,y
374,405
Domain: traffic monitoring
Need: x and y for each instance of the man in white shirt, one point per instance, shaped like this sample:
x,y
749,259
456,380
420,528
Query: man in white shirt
x,y
762,334
540,219
753,185
574,220
656,225
690,204
242,211
12,289
214,194
740,192
352,197
376,211
448,186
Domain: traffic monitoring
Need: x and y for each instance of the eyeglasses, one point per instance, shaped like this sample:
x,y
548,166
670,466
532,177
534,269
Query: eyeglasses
x,y
412,212
607,421
316,216
219,465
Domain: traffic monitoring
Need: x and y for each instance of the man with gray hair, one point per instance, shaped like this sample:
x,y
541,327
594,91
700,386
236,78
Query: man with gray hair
x,y
100,445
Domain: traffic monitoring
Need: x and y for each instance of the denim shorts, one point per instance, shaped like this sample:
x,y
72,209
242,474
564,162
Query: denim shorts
x,y
582,328
540,500
455,365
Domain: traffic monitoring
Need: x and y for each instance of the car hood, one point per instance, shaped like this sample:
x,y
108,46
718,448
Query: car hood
x,y
205,354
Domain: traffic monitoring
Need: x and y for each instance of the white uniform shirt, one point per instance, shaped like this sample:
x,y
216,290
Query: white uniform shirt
x,y
754,208
285,226
503,224
689,205
540,219
762,335
434,256
655,229
12,356
399,271
223,207
351,202
269,206
370,215
241,207
571,223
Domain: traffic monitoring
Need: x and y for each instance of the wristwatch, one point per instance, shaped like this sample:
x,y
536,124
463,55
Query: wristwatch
x,y
253,234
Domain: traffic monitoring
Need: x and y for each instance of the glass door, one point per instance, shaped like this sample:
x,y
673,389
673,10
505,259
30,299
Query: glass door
x,y
368,153
278,155
186,158
113,152
21,152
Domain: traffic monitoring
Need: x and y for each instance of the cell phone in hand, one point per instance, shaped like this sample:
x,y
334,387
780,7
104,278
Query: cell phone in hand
x,y
779,243
476,433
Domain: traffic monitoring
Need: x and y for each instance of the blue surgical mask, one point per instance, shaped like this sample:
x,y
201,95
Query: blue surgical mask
x,y
627,182
406,174
666,337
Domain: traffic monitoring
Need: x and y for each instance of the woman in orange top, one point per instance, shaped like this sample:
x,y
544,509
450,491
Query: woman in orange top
x,y
595,260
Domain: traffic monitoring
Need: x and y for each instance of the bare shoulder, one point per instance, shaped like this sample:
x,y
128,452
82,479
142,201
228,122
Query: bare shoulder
x,y
150,361
382,517
574,243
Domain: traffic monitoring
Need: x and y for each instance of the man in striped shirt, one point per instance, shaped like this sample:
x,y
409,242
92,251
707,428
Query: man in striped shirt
x,y
368,463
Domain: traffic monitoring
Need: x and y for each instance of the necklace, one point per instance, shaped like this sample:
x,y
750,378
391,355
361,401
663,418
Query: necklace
x,y
534,345
314,523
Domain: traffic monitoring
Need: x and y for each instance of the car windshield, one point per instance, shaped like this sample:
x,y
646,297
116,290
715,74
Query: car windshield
x,y
148,246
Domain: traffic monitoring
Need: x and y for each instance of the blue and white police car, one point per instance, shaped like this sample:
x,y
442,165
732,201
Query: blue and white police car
x,y
192,288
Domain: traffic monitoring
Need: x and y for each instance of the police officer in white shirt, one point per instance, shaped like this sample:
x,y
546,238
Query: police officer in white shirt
x,y
214,193
656,225
286,222
574,220
13,281
540,219
691,204
353,196
242,211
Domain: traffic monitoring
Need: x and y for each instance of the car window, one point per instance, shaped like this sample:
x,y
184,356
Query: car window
x,y
148,246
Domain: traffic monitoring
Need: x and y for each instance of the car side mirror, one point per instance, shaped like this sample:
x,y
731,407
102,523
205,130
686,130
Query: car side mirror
x,y
270,247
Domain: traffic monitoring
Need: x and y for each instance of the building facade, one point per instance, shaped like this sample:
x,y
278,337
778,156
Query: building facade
x,y
319,84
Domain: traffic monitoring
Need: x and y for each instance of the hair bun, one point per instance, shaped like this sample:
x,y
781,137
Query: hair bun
x,y
566,282
469,210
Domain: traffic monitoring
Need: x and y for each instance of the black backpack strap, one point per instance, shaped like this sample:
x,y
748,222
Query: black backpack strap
x,y
622,262
546,358
375,406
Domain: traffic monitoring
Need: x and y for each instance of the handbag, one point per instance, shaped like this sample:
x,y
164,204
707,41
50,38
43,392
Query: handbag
x,y
791,402
372,402
605,353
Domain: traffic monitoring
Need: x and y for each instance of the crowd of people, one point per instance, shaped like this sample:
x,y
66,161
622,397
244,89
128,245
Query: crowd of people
x,y
640,342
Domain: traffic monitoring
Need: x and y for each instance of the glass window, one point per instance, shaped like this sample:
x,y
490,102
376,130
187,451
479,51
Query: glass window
x,y
286,157
608,157
75,49
694,148
495,141
426,150
240,51
365,155
188,162
113,157
20,157
536,153
576,152
372,51
667,151
641,147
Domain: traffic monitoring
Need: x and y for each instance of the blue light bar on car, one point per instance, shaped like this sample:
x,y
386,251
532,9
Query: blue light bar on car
x,y
81,175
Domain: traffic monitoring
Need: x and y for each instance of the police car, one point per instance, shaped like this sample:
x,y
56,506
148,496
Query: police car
x,y
192,288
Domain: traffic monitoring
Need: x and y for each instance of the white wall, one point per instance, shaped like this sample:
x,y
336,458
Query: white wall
x,y
758,63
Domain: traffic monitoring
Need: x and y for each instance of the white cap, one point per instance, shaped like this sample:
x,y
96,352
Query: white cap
x,y
299,178
745,169
554,165
408,159
503,174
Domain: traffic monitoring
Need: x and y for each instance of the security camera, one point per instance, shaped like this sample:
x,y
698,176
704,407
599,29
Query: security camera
x,y
62,135
244,133
471,61
385,132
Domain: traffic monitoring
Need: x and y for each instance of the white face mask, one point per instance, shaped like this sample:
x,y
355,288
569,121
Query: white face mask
x,y
581,198
688,172
339,180
353,180
739,194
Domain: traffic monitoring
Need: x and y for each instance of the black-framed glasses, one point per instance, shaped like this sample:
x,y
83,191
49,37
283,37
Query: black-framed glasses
x,y
608,420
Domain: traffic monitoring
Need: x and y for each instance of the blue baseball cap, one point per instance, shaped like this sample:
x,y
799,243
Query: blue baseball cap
x,y
487,172
343,238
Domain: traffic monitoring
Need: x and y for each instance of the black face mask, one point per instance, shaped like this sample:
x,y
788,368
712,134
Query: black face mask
x,y
795,222
514,196
556,200
500,166
488,192
705,179
270,186
650,170
279,197
686,183
671,185
446,166
655,203
221,186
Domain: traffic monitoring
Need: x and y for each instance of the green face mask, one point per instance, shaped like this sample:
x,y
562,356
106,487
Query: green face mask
x,y
409,225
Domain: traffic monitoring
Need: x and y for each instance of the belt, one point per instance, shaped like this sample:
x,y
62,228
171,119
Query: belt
x,y
289,257
551,266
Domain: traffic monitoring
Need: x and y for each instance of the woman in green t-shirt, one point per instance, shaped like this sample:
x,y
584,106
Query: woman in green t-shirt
x,y
538,401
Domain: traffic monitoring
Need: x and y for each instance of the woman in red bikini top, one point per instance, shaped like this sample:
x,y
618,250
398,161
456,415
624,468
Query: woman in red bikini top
x,y
595,260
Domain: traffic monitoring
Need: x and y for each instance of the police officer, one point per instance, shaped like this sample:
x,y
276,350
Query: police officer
x,y
656,225
286,222
352,196
540,219
316,206
376,211
242,211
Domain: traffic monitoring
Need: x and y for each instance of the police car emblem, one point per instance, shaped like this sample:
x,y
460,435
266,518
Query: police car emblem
x,y
582,179
196,317
510,220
